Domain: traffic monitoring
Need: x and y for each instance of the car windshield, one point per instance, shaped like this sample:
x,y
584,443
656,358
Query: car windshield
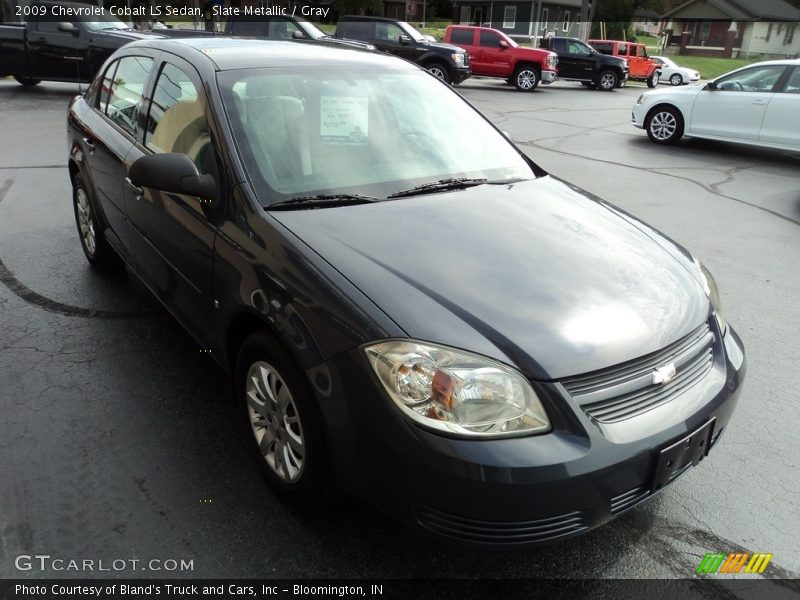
x,y
104,22
351,130
667,62
311,30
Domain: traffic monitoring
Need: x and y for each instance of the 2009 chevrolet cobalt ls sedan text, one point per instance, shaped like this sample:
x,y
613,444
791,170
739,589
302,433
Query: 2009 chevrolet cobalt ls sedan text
x,y
409,307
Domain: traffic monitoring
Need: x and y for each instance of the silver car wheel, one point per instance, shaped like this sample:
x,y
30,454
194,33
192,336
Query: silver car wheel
x,y
275,421
608,81
526,79
437,72
676,79
663,125
85,221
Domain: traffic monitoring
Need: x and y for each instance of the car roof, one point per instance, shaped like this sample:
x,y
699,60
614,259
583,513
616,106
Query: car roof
x,y
228,53
615,42
367,18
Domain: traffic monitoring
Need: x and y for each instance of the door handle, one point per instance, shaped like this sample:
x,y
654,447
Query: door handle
x,y
89,144
138,192
759,102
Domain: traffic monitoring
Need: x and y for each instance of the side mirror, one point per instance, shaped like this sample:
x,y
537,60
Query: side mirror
x,y
174,173
503,44
67,27
403,39
710,86
298,35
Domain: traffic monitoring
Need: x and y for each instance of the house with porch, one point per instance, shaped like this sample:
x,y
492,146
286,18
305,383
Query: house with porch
x,y
524,19
734,28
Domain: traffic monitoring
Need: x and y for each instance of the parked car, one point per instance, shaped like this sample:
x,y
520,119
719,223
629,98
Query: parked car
x,y
494,54
757,105
449,63
579,62
286,27
640,66
409,307
71,50
674,74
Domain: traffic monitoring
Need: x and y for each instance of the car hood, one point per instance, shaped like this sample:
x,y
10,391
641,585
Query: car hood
x,y
125,35
537,274
441,46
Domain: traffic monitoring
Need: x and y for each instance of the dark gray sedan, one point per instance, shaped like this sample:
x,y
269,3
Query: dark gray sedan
x,y
410,309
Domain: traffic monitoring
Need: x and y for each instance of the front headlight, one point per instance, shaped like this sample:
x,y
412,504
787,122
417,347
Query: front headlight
x,y
458,59
710,286
457,392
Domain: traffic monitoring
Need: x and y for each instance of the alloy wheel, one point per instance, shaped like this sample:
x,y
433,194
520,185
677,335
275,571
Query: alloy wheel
x,y
676,79
275,421
526,79
608,81
437,72
663,125
86,221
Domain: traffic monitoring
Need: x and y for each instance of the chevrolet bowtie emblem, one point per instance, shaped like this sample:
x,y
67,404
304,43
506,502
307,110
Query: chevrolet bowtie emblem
x,y
664,374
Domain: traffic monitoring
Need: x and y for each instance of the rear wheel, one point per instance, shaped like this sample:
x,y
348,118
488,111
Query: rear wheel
x,y
652,81
676,79
97,250
607,80
664,125
439,71
282,423
526,78
27,82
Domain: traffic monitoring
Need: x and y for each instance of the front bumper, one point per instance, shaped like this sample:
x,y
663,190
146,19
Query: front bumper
x,y
518,491
638,114
549,76
457,75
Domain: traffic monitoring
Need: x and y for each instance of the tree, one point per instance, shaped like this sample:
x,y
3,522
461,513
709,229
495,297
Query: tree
x,y
618,14
358,7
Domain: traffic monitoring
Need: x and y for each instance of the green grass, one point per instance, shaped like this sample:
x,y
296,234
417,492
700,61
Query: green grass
x,y
710,67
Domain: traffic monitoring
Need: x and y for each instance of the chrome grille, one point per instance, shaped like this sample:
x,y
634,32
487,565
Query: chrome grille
x,y
627,390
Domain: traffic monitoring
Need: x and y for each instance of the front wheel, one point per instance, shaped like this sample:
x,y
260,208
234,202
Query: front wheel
x,y
97,250
282,423
607,80
526,79
676,79
27,81
439,71
664,125
652,81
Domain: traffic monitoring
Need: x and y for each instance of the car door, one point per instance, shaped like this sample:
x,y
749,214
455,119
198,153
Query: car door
x,y
465,38
109,137
575,59
54,54
172,235
781,125
736,106
496,59
391,38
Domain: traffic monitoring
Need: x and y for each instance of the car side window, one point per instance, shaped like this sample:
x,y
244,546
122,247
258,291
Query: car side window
x,y
642,52
604,48
462,37
489,39
247,28
793,85
355,30
756,79
622,50
281,29
105,87
176,121
388,32
578,48
126,90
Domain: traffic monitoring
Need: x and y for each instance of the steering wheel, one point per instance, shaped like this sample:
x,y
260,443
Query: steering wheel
x,y
739,86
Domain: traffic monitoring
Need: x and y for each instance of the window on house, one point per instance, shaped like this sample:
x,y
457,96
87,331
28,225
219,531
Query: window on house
x,y
545,18
509,17
769,33
565,26
789,37
705,30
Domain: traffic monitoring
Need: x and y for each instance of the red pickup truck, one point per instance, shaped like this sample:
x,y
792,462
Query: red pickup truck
x,y
494,54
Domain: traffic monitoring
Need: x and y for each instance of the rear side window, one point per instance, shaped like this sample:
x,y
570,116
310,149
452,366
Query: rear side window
x,y
126,89
355,30
105,87
248,28
560,45
603,47
461,37
282,29
489,38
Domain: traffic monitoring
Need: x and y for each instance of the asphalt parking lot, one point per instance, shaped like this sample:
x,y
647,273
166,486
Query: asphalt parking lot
x,y
117,439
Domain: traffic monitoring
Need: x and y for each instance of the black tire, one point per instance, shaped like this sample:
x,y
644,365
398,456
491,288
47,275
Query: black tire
x,y
27,82
652,81
98,251
526,78
311,486
664,125
607,80
439,70
676,79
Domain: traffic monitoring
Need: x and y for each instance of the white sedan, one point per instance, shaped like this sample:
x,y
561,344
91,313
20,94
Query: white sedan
x,y
673,73
758,104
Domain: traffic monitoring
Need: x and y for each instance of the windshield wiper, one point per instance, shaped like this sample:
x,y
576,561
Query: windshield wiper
x,y
320,201
443,185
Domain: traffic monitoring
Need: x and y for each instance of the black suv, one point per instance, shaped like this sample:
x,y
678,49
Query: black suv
x,y
447,62
577,61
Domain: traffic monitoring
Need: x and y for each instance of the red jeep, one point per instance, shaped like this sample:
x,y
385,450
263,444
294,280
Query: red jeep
x,y
641,66
494,54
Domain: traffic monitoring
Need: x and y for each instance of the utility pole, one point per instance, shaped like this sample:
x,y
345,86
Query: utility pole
x,y
586,11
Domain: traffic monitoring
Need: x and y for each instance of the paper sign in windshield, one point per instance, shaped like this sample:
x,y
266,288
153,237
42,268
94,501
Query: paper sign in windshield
x,y
344,119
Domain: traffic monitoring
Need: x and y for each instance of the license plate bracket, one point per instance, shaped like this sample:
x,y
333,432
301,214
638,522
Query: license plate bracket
x,y
676,458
